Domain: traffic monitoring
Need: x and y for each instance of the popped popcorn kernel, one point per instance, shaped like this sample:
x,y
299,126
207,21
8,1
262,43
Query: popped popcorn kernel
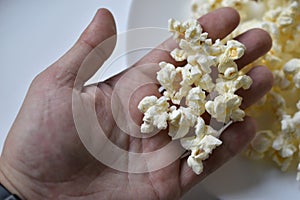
x,y
201,145
292,67
196,100
225,108
261,144
155,113
180,121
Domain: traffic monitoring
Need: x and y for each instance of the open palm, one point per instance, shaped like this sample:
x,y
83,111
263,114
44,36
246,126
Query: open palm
x,y
47,154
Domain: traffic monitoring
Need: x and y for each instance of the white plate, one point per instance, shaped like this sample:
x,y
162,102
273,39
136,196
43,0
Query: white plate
x,y
240,178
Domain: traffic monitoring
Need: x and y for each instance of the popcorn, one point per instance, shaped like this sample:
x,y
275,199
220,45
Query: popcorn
x,y
155,113
233,85
187,88
178,55
292,67
280,79
278,114
287,124
180,121
261,144
187,30
196,100
205,82
201,145
283,146
234,50
201,152
225,108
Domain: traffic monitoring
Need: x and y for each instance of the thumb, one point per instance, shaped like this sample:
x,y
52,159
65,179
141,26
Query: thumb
x,y
93,47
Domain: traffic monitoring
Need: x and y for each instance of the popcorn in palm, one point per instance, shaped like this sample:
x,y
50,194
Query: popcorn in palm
x,y
188,89
180,121
225,107
156,113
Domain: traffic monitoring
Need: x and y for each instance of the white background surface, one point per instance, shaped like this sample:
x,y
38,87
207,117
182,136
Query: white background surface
x,y
36,33
33,34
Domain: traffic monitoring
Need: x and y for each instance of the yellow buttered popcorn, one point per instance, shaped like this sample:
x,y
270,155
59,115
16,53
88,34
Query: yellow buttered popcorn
x,y
278,113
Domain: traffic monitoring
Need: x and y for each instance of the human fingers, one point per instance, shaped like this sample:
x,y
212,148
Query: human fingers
x,y
262,83
87,55
257,42
218,24
234,138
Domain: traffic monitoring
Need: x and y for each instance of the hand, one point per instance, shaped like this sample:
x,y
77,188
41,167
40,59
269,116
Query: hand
x,y
44,157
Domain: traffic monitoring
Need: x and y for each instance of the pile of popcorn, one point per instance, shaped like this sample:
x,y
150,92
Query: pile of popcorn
x,y
278,113
191,90
206,83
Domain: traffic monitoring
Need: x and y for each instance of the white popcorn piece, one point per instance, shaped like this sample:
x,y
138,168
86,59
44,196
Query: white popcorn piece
x,y
190,74
292,67
225,107
195,164
179,55
206,83
168,76
196,101
287,15
280,79
234,49
176,28
228,69
263,141
201,148
205,147
192,31
155,113
146,103
287,124
201,145
181,120
203,61
279,103
188,30
215,49
231,86
200,128
284,148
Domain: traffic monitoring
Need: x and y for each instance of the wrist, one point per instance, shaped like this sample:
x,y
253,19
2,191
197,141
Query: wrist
x,y
5,194
9,185
19,183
